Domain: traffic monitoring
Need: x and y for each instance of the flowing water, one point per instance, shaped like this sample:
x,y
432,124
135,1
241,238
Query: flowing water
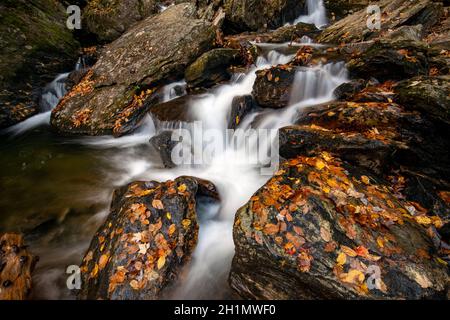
x,y
57,190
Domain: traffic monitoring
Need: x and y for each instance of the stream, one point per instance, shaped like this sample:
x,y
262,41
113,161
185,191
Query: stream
x,y
57,190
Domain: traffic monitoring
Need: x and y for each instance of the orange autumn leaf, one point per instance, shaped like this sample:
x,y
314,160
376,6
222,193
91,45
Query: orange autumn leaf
x,y
271,229
103,261
157,204
161,262
349,251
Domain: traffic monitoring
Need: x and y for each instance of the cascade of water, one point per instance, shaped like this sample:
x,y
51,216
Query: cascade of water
x,y
316,14
49,99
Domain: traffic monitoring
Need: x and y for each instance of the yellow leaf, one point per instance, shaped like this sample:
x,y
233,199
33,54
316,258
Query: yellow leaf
x,y
186,223
423,220
353,276
182,188
169,216
134,284
380,242
349,251
103,261
365,179
320,164
341,259
94,271
172,229
161,262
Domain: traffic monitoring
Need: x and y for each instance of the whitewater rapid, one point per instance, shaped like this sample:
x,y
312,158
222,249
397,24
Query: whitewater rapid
x,y
235,179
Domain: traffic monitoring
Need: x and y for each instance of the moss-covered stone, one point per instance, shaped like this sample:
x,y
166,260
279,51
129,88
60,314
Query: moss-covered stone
x,y
211,67
35,45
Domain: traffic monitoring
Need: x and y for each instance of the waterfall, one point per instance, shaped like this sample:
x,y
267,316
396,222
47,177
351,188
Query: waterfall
x,y
50,97
316,14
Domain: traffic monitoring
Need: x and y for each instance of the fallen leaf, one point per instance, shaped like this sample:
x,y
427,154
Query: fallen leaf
x,y
157,204
341,259
161,262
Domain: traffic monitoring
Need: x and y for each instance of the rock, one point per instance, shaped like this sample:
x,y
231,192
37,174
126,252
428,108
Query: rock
x,y
386,60
406,33
384,138
429,95
164,144
356,148
395,14
321,229
16,267
349,89
35,45
118,90
338,9
240,107
211,68
249,15
146,240
440,35
272,88
109,19
283,34
176,110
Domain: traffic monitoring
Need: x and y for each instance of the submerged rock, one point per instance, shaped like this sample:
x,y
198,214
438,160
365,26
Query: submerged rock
x,y
35,45
16,267
211,68
240,108
429,95
118,91
321,229
164,144
272,88
146,240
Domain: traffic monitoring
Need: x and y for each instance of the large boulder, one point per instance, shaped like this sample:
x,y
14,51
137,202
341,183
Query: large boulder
x,y
211,67
109,19
251,15
429,95
384,138
391,60
144,243
116,93
273,86
35,45
394,14
16,267
321,229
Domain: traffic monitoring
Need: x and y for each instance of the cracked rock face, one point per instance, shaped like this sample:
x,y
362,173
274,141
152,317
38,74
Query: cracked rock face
x,y
146,240
116,93
322,229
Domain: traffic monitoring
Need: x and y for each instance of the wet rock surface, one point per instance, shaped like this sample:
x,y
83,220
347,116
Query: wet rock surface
x,y
146,240
429,95
109,19
248,15
35,45
391,60
322,229
272,88
395,14
16,267
117,92
211,68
